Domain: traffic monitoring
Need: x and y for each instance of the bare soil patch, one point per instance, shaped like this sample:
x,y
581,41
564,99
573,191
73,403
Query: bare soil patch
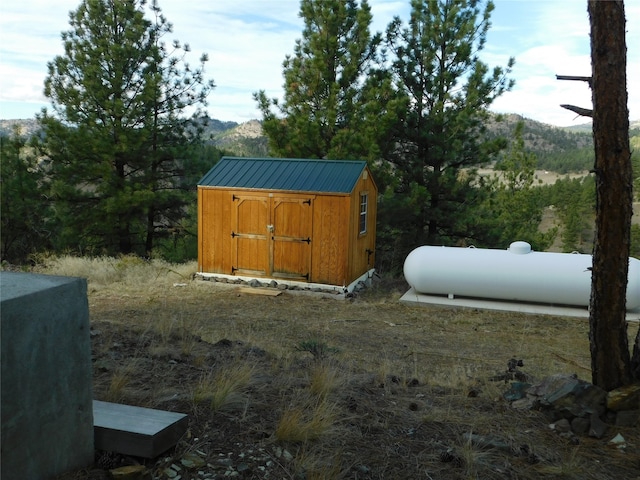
x,y
306,387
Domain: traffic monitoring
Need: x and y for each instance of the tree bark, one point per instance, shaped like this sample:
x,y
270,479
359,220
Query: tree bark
x,y
610,358
635,358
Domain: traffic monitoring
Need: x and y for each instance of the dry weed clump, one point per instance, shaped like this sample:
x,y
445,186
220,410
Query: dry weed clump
x,y
317,466
224,390
306,420
324,379
570,466
121,379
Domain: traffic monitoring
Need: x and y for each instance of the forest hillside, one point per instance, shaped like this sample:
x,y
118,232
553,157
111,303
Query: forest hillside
x,y
558,149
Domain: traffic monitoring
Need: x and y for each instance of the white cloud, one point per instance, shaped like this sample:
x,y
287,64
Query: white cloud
x,y
553,39
247,41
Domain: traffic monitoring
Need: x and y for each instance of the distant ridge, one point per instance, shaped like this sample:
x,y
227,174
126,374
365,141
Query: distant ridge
x,y
26,127
247,139
540,138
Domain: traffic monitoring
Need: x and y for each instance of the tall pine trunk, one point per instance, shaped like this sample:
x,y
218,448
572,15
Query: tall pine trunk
x,y
610,359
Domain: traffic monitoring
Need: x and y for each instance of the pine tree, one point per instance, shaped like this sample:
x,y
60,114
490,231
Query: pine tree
x,y
516,204
23,205
118,141
448,90
326,93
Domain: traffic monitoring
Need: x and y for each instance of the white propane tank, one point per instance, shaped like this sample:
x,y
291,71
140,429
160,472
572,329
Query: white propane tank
x,y
515,274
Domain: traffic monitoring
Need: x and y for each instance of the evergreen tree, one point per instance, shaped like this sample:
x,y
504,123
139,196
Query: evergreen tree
x,y
118,142
326,94
448,90
24,207
516,204
575,208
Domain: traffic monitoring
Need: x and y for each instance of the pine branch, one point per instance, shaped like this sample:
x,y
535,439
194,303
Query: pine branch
x,y
585,112
573,77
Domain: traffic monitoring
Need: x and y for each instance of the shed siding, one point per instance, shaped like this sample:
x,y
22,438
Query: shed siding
x,y
330,240
360,260
214,230
299,235
325,222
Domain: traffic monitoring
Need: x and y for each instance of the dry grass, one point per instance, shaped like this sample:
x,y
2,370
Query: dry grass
x,y
306,420
120,380
571,466
126,271
224,389
311,466
366,388
324,379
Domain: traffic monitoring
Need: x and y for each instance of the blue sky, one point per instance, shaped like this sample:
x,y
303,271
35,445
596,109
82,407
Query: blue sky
x,y
247,41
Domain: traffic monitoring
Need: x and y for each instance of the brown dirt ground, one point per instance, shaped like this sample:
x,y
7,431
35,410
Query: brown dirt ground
x,y
379,389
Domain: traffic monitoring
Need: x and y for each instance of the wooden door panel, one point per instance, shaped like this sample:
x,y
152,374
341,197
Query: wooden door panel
x,y
251,235
291,259
291,238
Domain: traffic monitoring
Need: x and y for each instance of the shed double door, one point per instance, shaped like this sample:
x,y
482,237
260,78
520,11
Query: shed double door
x,y
272,236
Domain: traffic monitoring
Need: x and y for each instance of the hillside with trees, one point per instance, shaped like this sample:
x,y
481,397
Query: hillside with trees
x,y
555,148
96,178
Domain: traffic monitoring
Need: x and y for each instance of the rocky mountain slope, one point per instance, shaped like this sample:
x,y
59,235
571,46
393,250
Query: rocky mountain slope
x,y
244,140
25,127
550,144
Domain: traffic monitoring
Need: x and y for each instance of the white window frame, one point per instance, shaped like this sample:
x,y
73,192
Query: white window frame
x,y
364,212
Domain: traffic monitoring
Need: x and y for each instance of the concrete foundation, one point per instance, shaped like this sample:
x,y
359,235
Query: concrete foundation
x,y
411,296
47,408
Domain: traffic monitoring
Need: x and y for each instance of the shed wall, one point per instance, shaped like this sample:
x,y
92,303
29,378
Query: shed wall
x,y
214,230
336,254
330,252
362,246
329,235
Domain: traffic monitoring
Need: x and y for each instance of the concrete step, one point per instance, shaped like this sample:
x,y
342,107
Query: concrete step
x,y
136,431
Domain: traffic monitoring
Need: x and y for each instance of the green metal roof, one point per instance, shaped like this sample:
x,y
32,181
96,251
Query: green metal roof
x,y
304,175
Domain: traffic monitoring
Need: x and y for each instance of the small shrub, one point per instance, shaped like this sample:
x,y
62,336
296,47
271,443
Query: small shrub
x,y
318,349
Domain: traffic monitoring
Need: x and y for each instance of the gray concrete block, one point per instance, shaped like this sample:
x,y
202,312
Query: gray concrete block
x,y
47,413
136,431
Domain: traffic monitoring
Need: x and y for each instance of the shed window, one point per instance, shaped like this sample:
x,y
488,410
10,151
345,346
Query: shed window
x,y
364,209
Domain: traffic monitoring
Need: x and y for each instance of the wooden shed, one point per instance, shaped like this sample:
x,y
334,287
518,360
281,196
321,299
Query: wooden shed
x,y
311,221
